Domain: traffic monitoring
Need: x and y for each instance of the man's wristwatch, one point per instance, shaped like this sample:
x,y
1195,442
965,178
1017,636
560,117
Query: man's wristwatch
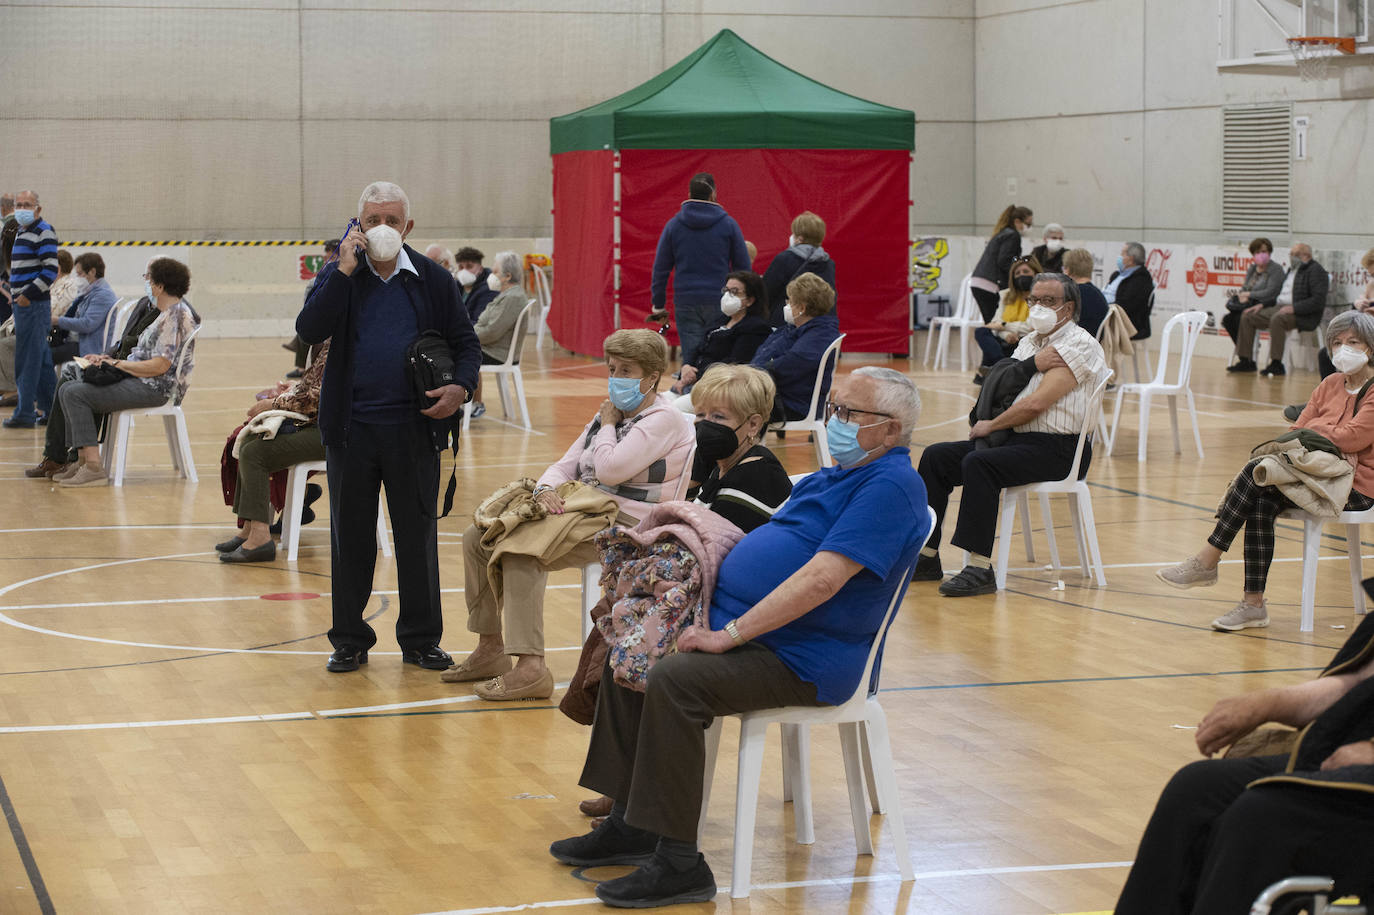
x,y
733,632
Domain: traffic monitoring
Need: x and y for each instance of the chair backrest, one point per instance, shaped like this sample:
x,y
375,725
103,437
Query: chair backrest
x,y
112,324
517,337
183,357
1090,415
965,307
832,350
685,483
1189,327
541,287
868,683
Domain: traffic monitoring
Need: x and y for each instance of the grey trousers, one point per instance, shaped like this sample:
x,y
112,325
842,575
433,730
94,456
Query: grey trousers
x,y
648,750
81,402
7,382
260,457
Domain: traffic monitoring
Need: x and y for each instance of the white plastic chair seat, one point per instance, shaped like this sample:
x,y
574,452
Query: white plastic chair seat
x,y
1189,326
509,369
1311,547
965,319
867,752
120,425
816,427
295,505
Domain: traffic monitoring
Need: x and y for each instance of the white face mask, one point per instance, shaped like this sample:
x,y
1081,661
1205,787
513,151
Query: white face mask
x,y
466,277
730,304
1054,245
788,315
383,243
1348,359
1042,319
493,282
792,241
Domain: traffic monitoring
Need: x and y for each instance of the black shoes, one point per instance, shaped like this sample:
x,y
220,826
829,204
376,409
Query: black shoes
x,y
265,553
605,845
658,883
970,582
1274,369
928,568
15,423
346,658
430,657
1290,413
228,546
1242,365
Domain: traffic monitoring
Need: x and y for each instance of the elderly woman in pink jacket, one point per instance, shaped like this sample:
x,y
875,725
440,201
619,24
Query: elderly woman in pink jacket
x,y
635,451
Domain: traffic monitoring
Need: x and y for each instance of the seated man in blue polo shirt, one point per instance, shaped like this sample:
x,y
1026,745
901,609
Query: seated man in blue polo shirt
x,y
794,613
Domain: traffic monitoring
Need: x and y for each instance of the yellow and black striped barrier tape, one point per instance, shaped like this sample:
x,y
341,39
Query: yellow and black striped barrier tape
x,y
191,244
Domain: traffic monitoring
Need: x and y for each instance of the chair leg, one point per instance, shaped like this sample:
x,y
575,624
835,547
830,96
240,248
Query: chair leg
x,y
1352,547
1116,421
751,740
1192,411
822,446
942,346
169,432
467,417
880,748
1144,425
1173,422
708,773
518,378
875,798
291,513
965,340
1076,519
1048,519
1004,520
796,769
1023,512
591,593
930,339
124,426
507,408
1311,546
854,778
188,465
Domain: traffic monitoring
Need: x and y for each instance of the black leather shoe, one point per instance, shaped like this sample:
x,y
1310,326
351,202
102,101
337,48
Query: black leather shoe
x,y
13,423
605,845
228,546
657,883
1275,367
970,582
431,657
265,553
346,658
928,568
1243,365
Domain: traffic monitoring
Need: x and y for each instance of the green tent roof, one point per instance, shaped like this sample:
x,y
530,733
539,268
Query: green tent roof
x,y
727,94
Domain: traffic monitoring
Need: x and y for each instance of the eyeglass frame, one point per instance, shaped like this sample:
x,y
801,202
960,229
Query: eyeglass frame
x,y
844,412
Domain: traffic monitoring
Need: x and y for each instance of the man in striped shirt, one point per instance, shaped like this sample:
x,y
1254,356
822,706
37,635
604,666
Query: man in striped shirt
x,y
33,267
1045,421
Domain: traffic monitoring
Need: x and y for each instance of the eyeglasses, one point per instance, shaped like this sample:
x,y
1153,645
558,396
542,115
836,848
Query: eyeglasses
x,y
1048,301
739,293
843,412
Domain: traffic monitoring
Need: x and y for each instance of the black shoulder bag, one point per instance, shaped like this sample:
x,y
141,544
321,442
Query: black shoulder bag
x,y
429,365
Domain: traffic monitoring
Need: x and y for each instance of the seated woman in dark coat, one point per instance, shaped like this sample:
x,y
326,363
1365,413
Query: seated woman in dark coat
x,y
793,353
734,341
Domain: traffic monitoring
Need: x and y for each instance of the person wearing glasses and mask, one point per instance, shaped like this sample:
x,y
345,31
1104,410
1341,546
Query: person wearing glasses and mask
x,y
794,612
740,330
1045,420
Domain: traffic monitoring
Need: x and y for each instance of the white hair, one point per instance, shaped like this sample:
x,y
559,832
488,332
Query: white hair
x,y
383,192
896,396
1053,227
509,263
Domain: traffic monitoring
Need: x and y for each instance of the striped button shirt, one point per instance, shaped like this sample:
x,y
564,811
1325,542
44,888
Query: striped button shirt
x,y
1084,357
33,262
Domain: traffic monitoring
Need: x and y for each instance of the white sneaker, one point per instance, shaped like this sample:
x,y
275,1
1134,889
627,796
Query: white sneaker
x,y
1188,574
1244,616
86,475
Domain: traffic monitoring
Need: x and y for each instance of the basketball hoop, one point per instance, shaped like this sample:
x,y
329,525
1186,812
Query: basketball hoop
x,y
1314,54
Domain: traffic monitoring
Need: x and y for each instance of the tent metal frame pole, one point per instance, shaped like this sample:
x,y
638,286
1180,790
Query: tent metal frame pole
x,y
615,236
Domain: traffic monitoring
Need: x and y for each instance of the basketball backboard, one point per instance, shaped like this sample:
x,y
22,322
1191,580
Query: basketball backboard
x,y
1252,35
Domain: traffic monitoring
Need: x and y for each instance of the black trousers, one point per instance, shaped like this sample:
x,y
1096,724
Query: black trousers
x,y
1231,321
987,302
1027,457
400,458
648,749
1212,845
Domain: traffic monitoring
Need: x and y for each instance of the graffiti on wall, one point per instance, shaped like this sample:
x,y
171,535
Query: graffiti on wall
x,y
926,255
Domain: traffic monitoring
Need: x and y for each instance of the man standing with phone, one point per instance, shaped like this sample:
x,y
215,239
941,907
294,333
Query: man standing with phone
x,y
383,295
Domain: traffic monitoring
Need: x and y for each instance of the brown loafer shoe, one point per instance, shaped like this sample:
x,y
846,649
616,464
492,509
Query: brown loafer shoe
x,y
596,806
466,672
44,470
496,690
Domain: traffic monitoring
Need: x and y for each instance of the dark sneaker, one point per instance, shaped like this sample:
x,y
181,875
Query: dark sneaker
x,y
605,845
1243,365
970,582
928,568
1274,368
657,883
1293,411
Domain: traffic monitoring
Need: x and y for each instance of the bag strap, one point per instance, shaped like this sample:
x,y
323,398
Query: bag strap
x,y
1360,396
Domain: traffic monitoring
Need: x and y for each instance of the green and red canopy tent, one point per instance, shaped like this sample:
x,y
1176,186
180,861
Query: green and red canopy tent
x,y
777,142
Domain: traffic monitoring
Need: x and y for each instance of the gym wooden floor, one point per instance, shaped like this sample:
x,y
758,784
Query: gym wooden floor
x,y
171,742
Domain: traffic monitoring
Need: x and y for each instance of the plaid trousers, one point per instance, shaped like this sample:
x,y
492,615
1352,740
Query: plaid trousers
x,y
1255,507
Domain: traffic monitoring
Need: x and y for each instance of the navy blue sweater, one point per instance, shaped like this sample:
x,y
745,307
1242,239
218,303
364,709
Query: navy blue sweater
x,y
334,311
699,246
792,354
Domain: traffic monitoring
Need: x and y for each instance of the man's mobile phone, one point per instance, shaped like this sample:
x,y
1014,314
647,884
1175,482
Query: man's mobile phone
x,y
357,249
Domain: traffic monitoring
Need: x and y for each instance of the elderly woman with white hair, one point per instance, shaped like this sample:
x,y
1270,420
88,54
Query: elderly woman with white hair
x,y
495,326
1334,412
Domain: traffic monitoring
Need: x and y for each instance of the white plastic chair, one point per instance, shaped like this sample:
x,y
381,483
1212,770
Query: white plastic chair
x,y
966,317
1189,327
1142,347
121,423
1311,546
544,295
509,369
1080,505
863,733
813,425
1319,888
591,572
1294,350
295,506
114,323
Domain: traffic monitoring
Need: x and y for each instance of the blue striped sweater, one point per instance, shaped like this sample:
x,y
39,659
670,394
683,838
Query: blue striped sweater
x,y
33,263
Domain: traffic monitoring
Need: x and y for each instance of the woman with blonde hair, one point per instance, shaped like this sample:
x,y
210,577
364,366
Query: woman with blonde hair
x,y
999,337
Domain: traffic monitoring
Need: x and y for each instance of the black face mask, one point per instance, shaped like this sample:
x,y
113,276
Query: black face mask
x,y
1023,282
716,441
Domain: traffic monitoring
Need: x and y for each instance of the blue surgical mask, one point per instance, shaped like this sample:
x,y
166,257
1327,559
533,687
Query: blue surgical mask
x,y
625,393
842,439
24,217
1120,263
148,289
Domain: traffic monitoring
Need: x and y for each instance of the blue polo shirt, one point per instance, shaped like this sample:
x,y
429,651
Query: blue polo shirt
x,y
874,515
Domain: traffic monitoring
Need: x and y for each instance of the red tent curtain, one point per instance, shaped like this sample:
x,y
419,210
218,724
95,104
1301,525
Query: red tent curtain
x,y
583,311
861,194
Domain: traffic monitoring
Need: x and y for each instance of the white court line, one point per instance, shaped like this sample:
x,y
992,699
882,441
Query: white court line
x,y
820,881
